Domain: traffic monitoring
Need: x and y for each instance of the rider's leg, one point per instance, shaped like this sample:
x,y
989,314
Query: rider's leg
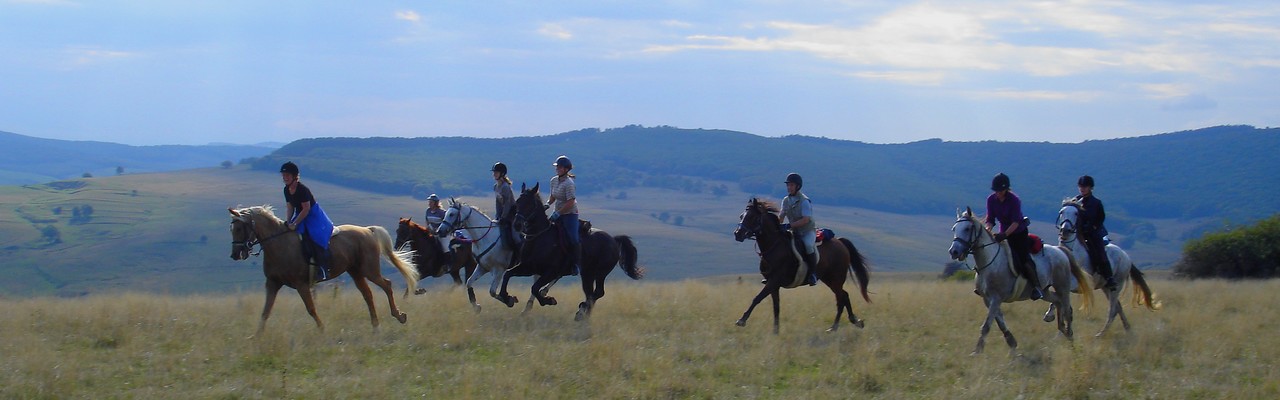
x,y
569,222
1019,244
810,255
1097,250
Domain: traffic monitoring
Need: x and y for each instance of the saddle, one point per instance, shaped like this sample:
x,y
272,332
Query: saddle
x,y
824,234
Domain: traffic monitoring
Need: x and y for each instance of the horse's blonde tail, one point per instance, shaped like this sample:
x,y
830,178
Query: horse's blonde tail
x,y
402,260
1082,279
1142,293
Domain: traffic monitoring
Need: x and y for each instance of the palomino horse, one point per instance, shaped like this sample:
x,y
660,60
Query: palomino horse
x,y
1121,265
544,256
490,252
430,256
779,262
996,282
355,249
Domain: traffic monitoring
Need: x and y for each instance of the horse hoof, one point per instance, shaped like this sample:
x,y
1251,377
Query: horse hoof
x,y
551,301
402,317
580,316
859,323
512,301
741,322
476,308
420,291
1048,318
831,329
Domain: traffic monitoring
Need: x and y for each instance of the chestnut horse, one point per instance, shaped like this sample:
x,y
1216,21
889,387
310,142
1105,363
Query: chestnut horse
x,y
779,261
431,257
356,251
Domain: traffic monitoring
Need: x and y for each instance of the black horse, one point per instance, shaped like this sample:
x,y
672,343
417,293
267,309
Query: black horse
x,y
544,255
779,263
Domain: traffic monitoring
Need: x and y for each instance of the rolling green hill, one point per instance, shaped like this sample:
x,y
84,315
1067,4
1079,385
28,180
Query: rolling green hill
x,y
1220,173
168,233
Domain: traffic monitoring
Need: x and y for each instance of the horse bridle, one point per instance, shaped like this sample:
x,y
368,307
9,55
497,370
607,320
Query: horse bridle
x,y
753,234
252,239
969,247
1068,226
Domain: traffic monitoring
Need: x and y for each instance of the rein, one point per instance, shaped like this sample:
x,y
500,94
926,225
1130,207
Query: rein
x,y
971,249
253,241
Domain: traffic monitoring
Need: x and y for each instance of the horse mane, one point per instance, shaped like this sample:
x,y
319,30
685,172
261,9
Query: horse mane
x,y
973,218
265,211
768,205
1072,201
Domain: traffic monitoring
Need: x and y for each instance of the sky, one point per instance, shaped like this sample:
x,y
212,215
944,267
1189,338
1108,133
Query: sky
x,y
231,71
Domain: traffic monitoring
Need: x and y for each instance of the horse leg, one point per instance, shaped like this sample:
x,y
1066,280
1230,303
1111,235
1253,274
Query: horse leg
x,y
539,290
305,292
273,288
1113,301
1008,336
368,300
1123,319
588,296
770,287
993,307
385,284
777,309
842,297
1051,313
502,295
472,277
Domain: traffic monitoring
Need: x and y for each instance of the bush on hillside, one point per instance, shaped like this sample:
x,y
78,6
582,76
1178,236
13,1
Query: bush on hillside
x,y
1246,252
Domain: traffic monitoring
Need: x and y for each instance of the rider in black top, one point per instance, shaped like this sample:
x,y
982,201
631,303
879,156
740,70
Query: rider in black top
x,y
1091,231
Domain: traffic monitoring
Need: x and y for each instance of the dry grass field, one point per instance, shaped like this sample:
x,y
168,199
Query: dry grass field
x,y
1212,339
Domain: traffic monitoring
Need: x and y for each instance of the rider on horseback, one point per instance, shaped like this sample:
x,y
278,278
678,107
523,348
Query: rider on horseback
x,y
1005,206
434,214
798,209
1092,232
305,216
505,208
563,201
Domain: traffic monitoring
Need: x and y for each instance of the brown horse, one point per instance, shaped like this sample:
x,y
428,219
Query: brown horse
x,y
356,251
431,257
779,262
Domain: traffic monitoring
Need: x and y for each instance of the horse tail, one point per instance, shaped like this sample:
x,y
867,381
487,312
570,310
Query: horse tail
x,y
402,260
1142,294
1082,279
858,265
630,257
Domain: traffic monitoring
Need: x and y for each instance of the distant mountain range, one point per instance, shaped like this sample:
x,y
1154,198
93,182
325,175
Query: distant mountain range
x,y
1225,172
27,160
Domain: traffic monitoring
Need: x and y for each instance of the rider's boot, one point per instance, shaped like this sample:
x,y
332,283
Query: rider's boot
x,y
811,260
575,258
1030,273
1104,268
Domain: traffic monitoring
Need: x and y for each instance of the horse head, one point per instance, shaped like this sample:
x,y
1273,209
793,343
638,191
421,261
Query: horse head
x,y
529,207
452,220
966,235
405,232
243,236
758,215
1068,219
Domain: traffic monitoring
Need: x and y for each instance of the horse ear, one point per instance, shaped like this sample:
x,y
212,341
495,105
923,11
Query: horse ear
x,y
521,186
968,210
535,186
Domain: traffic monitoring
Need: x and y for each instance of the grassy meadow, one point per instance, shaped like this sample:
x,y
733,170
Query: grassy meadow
x,y
1212,339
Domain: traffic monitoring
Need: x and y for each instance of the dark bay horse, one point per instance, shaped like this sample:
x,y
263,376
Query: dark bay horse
x,y
779,263
430,255
356,252
543,256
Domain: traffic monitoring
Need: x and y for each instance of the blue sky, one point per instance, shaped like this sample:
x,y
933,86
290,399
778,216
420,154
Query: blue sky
x,y
194,72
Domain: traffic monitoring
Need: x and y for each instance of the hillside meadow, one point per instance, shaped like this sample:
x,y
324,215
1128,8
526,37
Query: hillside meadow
x,y
1212,339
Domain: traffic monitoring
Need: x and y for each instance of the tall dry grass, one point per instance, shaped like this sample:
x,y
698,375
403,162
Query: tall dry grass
x,y
1213,339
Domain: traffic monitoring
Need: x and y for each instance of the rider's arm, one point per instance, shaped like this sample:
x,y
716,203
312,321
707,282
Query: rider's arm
x,y
302,214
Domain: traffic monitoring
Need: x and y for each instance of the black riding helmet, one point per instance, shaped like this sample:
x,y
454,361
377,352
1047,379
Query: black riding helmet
x,y
563,161
796,179
499,167
1085,180
289,167
1000,182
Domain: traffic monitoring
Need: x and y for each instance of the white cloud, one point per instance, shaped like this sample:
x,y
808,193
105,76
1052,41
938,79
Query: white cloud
x,y
83,56
1079,96
556,31
922,78
409,15
1164,90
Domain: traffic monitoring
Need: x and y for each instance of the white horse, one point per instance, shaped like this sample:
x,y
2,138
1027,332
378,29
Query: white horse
x,y
491,254
1121,265
996,282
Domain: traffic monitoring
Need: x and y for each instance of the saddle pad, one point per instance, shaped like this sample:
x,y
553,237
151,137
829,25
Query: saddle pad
x,y
1037,244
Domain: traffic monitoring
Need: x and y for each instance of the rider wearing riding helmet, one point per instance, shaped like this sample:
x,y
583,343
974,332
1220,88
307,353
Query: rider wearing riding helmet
x,y
564,208
304,215
504,204
435,214
798,210
1005,207
1091,230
